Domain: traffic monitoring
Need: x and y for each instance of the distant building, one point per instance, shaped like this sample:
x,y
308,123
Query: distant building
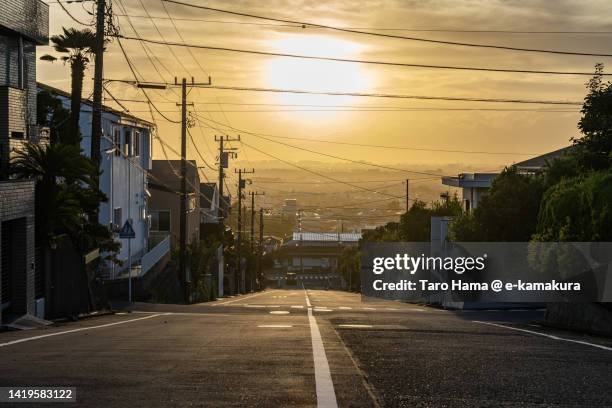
x,y
24,25
125,151
165,186
209,203
536,164
475,185
289,208
312,257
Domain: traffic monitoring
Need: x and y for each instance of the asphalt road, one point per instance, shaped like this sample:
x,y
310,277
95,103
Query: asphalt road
x,y
296,348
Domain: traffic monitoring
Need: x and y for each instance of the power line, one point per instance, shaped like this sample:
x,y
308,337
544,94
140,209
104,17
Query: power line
x,y
181,37
333,182
336,157
390,110
374,95
359,61
265,137
163,39
391,146
357,107
317,173
76,20
420,39
409,29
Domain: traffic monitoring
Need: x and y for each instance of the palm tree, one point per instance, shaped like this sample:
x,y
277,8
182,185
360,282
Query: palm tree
x,y
63,176
76,46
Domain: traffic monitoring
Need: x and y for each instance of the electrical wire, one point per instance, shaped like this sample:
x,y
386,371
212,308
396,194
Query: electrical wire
x,y
409,29
419,39
361,61
316,173
373,95
73,17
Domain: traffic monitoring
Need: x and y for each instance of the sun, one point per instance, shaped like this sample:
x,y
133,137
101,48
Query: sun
x,y
316,75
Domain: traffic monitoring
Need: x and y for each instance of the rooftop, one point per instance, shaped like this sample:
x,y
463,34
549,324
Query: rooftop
x,y
326,237
470,180
87,102
536,163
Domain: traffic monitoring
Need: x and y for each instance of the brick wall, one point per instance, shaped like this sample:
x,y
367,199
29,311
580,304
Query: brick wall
x,y
17,203
29,18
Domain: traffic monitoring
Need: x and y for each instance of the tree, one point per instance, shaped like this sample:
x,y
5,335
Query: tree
x,y
508,213
577,210
415,224
63,195
76,46
51,112
349,265
593,150
384,233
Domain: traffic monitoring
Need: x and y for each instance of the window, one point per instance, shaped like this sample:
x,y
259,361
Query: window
x,y
136,144
127,141
17,135
117,217
117,141
160,221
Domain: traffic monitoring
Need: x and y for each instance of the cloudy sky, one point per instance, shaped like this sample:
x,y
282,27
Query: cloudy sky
x,y
421,124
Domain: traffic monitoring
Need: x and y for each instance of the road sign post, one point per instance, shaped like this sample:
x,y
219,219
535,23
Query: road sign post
x,y
127,232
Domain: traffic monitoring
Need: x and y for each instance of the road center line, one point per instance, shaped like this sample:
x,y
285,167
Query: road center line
x,y
242,298
550,336
10,343
326,396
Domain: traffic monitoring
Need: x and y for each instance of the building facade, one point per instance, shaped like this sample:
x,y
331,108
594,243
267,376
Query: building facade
x,y
24,25
125,162
165,185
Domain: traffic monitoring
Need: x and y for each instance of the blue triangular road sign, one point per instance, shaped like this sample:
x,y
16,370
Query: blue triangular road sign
x,y
127,231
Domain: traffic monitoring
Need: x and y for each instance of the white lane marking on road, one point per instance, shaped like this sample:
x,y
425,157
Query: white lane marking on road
x,y
279,312
345,308
259,306
326,396
316,309
297,307
242,298
550,336
79,329
356,326
368,308
275,326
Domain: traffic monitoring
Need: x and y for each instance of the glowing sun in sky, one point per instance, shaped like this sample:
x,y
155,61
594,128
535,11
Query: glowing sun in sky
x,y
316,75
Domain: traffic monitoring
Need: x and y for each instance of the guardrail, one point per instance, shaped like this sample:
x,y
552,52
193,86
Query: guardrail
x,y
149,259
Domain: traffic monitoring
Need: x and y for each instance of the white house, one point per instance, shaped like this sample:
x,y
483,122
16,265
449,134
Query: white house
x,y
125,162
475,185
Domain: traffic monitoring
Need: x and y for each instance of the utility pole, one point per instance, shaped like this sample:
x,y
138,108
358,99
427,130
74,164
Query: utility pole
x,y
260,247
224,155
96,116
185,280
183,215
407,194
241,186
253,194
